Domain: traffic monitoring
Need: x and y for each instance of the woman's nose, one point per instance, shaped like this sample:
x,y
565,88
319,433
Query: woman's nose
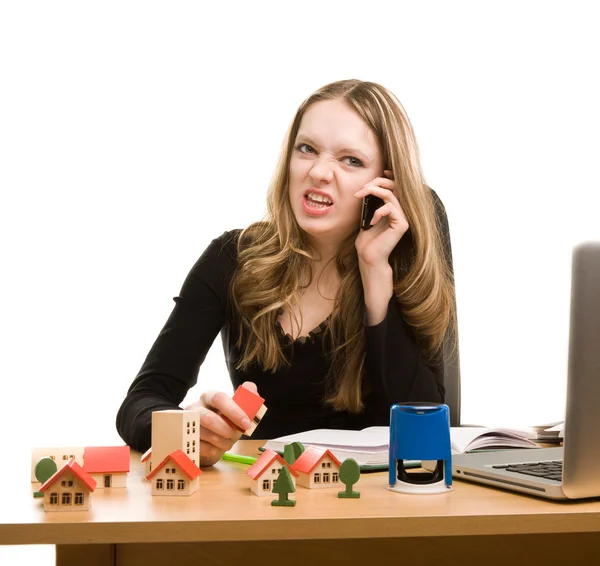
x,y
321,172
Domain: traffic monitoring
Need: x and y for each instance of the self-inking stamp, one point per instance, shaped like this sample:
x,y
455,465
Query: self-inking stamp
x,y
420,431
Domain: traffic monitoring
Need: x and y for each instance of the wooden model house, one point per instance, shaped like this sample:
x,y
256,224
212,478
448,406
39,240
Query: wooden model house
x,y
147,461
175,475
61,455
69,489
317,468
265,471
252,404
108,465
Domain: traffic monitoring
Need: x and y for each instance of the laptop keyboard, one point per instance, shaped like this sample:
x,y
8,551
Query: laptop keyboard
x,y
549,470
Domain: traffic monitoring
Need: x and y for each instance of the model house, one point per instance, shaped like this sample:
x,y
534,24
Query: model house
x,y
60,454
175,475
317,468
265,471
252,404
69,489
108,465
147,461
175,430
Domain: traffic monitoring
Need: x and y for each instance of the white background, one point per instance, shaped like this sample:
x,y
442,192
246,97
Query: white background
x,y
132,133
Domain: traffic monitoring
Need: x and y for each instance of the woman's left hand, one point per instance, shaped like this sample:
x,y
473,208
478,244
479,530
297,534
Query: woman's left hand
x,y
389,223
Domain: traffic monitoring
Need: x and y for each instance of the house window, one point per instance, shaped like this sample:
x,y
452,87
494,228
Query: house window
x,y
317,477
53,457
329,464
323,464
325,478
71,455
66,499
188,444
173,470
79,499
266,485
180,485
70,483
54,499
335,478
274,470
107,481
65,457
159,484
63,483
170,484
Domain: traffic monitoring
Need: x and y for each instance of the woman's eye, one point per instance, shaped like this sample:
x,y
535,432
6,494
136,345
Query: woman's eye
x,y
354,161
305,148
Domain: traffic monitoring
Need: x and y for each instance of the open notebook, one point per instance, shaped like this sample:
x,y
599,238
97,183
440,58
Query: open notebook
x,y
370,446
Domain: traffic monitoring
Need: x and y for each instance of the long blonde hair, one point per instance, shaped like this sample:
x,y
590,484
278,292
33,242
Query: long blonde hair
x,y
274,254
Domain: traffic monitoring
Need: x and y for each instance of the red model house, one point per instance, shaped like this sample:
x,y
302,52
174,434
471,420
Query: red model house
x,y
317,468
265,471
175,475
108,465
69,489
252,404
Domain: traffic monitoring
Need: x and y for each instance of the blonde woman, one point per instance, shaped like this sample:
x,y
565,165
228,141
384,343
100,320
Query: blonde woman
x,y
331,323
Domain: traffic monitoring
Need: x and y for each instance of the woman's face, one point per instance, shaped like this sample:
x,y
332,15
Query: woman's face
x,y
335,154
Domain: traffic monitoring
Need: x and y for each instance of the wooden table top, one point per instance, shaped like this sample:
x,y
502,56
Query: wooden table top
x,y
224,509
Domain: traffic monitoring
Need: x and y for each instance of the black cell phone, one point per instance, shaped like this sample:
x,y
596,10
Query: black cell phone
x,y
370,204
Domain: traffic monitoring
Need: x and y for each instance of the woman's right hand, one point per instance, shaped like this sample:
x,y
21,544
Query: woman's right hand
x,y
216,435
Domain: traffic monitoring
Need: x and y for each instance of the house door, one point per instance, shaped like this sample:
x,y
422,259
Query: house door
x,y
107,480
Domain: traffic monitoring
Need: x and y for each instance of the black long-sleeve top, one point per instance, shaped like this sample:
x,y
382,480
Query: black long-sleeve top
x,y
294,396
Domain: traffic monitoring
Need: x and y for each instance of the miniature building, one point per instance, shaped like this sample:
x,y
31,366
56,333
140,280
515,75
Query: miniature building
x,y
317,468
265,471
175,430
175,475
108,465
69,489
252,404
147,461
61,455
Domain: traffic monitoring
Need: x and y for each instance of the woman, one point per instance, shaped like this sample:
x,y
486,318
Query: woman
x,y
331,323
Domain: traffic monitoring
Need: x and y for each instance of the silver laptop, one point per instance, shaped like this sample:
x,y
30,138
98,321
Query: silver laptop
x,y
572,471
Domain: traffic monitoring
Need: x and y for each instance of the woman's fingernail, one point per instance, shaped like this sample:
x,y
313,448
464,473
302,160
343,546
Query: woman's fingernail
x,y
246,423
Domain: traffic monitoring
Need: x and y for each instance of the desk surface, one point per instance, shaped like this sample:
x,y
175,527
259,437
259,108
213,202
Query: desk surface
x,y
224,509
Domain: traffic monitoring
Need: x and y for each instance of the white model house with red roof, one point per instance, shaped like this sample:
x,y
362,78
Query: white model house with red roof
x,y
69,489
108,465
252,404
175,475
264,472
147,461
317,468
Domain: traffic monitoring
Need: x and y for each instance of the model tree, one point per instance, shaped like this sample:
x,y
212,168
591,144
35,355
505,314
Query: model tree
x,y
349,475
283,487
44,469
291,452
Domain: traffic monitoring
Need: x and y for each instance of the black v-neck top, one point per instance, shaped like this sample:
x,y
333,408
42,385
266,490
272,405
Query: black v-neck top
x,y
294,395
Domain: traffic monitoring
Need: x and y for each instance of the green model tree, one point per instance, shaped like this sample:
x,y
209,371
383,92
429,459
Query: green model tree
x,y
292,451
349,475
283,487
44,469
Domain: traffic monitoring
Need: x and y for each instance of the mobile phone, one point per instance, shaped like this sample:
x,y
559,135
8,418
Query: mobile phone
x,y
370,204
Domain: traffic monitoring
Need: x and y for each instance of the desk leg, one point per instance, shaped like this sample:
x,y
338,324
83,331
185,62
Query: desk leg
x,y
88,554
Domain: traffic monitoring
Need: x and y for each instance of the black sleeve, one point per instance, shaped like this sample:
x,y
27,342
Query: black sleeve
x,y
172,365
395,363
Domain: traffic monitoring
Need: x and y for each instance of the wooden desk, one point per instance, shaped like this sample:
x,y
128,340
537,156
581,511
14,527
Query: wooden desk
x,y
225,523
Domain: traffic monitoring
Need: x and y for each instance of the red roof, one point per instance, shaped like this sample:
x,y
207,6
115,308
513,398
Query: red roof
x,y
248,401
311,456
106,459
146,454
264,461
72,465
183,461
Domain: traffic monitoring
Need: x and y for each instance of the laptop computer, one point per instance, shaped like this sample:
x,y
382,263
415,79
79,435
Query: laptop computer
x,y
573,470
